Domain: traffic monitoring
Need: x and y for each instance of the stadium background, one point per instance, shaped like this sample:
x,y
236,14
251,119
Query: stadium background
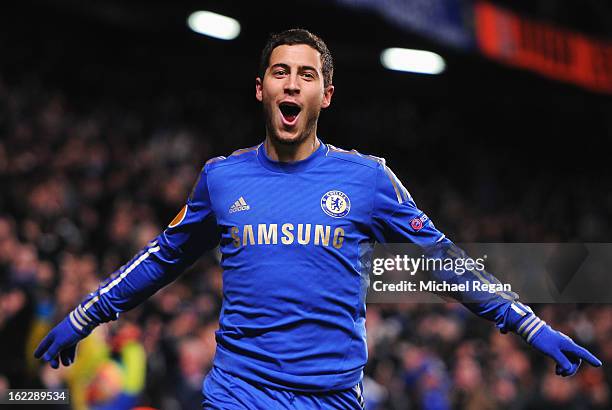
x,y
108,111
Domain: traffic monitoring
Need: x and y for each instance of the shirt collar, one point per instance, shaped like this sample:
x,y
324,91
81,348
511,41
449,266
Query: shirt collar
x,y
293,166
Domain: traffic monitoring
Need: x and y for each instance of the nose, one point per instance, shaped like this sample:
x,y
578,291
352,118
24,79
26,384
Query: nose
x,y
292,85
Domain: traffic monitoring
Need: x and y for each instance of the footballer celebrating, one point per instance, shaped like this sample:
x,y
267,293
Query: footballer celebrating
x,y
291,217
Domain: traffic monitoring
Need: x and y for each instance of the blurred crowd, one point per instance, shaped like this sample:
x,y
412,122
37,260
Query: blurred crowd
x,y
84,187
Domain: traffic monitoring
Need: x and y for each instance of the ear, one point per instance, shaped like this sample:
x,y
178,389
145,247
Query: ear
x,y
259,89
327,96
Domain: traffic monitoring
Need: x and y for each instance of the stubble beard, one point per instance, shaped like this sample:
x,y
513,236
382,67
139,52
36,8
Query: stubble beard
x,y
311,125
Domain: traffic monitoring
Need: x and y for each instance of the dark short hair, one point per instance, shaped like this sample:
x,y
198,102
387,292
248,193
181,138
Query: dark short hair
x,y
298,36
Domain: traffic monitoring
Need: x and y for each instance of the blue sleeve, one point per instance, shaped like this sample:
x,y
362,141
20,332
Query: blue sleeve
x,y
397,219
191,232
395,216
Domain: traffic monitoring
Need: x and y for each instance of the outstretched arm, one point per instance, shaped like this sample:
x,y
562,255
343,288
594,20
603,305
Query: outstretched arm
x,y
193,231
396,218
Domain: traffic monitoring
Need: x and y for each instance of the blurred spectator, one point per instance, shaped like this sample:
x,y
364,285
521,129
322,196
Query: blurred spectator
x,y
88,182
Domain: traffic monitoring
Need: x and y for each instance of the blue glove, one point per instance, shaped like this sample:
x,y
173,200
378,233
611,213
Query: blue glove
x,y
61,342
556,345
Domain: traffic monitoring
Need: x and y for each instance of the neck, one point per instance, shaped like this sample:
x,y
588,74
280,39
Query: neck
x,y
290,152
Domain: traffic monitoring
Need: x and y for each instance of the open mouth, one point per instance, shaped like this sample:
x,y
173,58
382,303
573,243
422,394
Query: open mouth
x,y
289,112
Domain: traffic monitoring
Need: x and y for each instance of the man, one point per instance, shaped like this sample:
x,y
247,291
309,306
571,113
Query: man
x,y
291,216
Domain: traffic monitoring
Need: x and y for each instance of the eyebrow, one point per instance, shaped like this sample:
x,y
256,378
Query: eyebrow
x,y
302,68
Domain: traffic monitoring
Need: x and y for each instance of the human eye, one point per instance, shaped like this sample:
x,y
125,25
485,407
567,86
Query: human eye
x,y
308,75
278,72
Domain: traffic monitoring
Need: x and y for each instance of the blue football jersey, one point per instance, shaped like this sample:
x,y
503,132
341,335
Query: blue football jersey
x,y
290,236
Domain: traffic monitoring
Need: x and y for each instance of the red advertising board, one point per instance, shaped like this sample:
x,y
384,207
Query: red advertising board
x,y
549,50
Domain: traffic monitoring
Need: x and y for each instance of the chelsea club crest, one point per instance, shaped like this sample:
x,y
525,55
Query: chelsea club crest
x,y
335,204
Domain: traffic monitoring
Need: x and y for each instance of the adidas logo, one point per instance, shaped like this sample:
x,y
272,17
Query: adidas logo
x,y
239,205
